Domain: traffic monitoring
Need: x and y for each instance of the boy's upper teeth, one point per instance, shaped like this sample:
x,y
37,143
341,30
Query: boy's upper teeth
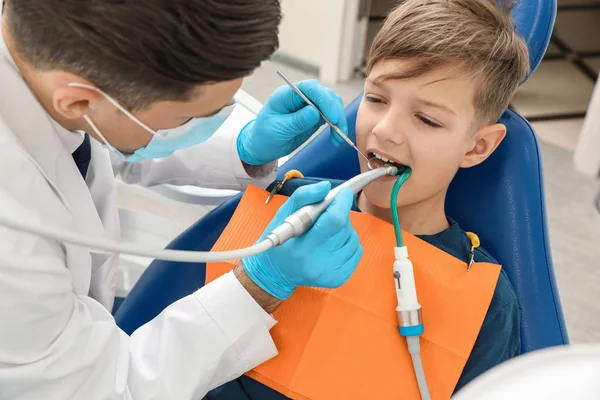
x,y
382,158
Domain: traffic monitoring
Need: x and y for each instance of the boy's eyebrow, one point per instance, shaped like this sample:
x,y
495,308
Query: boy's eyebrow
x,y
411,73
436,105
382,78
377,81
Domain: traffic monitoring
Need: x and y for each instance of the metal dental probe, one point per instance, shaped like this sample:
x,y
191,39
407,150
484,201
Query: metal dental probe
x,y
334,127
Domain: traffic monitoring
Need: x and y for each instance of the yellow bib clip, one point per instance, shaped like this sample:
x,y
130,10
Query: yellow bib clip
x,y
288,175
475,243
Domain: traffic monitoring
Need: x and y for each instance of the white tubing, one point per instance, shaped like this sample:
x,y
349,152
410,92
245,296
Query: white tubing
x,y
63,236
302,218
414,348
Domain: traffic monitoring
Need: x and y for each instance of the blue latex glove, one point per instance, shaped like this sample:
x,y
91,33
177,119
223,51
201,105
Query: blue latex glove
x,y
286,122
325,256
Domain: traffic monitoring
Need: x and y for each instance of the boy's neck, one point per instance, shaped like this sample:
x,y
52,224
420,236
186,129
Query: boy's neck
x,y
427,217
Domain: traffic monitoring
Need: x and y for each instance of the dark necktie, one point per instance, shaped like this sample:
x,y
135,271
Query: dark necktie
x,y
83,155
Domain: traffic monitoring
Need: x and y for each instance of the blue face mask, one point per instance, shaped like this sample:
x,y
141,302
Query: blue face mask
x,y
164,141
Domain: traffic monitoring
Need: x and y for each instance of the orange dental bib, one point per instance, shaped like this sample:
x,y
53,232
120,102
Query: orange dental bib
x,y
344,343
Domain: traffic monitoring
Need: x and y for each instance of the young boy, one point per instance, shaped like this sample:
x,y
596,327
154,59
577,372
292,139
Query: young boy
x,y
440,74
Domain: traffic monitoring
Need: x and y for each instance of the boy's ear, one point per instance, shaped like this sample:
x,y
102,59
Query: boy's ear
x,y
483,143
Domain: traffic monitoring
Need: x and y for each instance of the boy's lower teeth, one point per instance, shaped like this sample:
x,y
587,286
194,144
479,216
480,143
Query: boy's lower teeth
x,y
377,163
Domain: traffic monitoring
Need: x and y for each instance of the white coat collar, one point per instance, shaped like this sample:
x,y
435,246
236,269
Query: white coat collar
x,y
36,131
72,140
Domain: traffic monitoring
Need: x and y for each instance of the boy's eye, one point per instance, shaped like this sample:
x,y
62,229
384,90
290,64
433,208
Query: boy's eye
x,y
428,122
372,99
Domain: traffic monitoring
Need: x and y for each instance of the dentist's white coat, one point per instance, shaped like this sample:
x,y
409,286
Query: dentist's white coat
x,y
58,339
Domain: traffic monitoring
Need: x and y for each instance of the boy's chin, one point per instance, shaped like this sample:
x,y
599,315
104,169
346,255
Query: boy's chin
x,y
378,195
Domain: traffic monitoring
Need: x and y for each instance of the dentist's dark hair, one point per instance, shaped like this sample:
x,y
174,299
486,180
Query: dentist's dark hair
x,y
141,52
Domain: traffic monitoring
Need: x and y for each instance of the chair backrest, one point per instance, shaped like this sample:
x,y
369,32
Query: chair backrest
x,y
502,200
534,20
165,282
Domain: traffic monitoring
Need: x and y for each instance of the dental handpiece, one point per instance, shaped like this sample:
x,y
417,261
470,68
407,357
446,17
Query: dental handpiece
x,y
302,220
295,225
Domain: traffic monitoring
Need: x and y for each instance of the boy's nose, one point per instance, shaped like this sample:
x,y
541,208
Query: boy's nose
x,y
389,132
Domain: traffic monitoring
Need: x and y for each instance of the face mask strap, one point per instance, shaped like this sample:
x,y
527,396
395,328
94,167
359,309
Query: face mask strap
x,y
97,131
117,105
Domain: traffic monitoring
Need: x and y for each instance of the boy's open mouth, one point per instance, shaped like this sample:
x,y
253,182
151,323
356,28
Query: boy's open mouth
x,y
379,160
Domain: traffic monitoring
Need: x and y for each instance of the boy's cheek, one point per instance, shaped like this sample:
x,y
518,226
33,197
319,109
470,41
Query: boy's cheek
x,y
361,136
361,143
363,128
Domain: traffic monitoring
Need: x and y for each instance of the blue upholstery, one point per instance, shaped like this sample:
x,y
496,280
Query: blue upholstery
x,y
506,208
501,200
165,282
535,20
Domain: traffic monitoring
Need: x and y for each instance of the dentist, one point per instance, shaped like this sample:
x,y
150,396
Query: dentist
x,y
143,89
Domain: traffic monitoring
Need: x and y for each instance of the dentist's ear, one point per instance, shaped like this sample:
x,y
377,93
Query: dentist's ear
x,y
75,100
483,144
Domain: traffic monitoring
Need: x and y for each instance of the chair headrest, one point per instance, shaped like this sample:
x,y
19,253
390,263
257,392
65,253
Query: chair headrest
x,y
534,20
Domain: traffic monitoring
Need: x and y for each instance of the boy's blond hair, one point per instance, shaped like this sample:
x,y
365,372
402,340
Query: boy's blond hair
x,y
477,36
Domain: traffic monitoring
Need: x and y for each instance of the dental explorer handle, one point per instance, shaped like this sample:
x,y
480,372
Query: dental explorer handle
x,y
310,103
302,220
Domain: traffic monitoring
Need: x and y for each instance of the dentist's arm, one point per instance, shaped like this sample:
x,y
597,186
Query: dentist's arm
x,y
264,299
244,150
61,343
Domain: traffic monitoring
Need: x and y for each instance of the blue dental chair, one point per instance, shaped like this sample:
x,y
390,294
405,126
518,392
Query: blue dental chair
x,y
502,200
